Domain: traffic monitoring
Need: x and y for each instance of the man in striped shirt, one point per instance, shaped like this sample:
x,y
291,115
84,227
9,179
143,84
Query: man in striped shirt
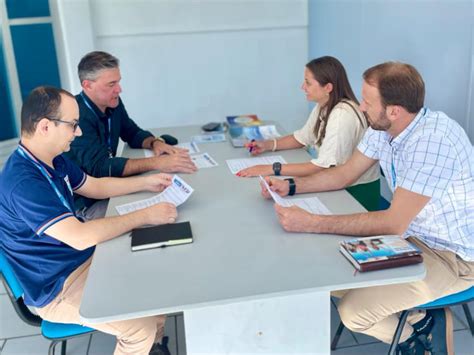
x,y
428,162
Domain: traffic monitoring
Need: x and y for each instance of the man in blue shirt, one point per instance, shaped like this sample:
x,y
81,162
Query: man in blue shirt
x,y
48,247
428,162
104,120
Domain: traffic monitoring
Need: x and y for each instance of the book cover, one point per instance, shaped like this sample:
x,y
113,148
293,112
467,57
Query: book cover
x,y
380,252
242,135
161,236
243,120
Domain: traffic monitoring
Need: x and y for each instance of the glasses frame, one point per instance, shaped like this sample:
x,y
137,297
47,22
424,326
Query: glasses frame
x,y
74,124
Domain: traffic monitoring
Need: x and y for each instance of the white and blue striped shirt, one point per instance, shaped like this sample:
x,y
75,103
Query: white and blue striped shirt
x,y
432,157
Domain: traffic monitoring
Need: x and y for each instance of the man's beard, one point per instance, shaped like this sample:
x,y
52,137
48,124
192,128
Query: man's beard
x,y
382,123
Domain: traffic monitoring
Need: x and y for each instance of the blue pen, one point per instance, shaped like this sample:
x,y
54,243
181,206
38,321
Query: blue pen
x,y
251,145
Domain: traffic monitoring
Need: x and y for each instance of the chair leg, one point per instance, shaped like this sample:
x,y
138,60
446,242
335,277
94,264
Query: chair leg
x,y
89,344
52,347
63,347
398,332
335,340
467,312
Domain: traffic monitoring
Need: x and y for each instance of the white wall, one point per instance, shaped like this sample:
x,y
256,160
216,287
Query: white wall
x,y
437,37
194,61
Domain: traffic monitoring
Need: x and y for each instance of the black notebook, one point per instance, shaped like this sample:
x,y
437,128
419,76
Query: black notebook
x,y
161,236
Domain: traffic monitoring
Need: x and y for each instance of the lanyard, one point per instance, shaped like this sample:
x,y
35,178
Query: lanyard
x,y
394,174
109,124
46,175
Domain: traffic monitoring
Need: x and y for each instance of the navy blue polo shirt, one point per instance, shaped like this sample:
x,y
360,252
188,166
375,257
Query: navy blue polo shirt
x,y
28,206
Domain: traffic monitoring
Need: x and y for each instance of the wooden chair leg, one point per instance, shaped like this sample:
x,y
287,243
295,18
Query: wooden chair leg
x,y
398,333
467,312
335,340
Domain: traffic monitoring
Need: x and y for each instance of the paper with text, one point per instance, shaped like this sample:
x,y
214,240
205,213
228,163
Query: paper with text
x,y
235,165
190,146
203,160
209,138
310,204
177,193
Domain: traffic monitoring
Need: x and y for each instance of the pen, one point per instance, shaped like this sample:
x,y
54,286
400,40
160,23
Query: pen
x,y
251,146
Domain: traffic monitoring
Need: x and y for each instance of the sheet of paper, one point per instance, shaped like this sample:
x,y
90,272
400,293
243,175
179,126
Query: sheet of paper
x,y
235,165
310,204
177,193
203,160
192,148
209,138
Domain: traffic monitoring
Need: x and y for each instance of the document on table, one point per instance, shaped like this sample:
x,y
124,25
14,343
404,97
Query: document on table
x,y
310,204
235,165
192,148
177,193
203,160
209,138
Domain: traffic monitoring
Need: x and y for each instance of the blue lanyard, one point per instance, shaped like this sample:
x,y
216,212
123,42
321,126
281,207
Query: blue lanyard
x,y
394,174
46,175
109,124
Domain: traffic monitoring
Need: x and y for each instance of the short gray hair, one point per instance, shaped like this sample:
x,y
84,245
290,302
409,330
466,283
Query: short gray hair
x,y
92,63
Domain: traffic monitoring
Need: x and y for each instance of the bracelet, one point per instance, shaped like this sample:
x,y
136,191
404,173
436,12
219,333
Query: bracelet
x,y
292,186
274,145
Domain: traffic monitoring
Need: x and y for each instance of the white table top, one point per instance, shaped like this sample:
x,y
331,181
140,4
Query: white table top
x,y
240,252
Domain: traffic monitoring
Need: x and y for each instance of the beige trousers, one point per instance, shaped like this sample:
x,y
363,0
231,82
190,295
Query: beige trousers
x,y
375,310
134,336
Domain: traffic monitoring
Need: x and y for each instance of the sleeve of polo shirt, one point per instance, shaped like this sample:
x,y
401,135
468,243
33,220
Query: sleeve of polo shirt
x,y
129,130
429,165
339,140
369,145
92,155
305,135
36,203
77,177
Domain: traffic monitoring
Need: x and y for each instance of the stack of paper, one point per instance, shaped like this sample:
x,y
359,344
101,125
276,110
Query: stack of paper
x,y
235,165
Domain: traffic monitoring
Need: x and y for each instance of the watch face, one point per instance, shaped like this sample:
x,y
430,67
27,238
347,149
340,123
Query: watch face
x,y
277,168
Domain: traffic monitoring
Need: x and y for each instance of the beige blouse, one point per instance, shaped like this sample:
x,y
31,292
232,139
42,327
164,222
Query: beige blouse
x,y
343,133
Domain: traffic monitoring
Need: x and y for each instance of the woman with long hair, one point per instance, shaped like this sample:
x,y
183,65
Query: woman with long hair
x,y
333,130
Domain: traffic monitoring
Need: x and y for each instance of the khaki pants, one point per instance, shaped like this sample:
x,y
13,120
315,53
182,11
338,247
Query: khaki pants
x,y
374,310
135,336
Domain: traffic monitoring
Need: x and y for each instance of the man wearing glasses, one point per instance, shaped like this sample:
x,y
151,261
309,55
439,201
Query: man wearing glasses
x,y
103,121
428,162
46,244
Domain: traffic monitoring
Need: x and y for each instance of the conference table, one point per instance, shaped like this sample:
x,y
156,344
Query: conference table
x,y
244,285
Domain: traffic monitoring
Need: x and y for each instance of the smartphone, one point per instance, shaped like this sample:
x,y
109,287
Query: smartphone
x,y
211,127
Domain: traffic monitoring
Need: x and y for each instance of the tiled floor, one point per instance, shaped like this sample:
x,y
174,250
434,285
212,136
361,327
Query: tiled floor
x,y
18,338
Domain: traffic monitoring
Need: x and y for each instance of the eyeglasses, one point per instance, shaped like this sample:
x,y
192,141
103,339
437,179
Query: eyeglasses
x,y
74,124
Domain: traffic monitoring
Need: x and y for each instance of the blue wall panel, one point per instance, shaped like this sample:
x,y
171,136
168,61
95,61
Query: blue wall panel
x,y
35,55
27,8
7,123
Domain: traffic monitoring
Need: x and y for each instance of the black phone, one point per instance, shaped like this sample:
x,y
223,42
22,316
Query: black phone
x,y
211,127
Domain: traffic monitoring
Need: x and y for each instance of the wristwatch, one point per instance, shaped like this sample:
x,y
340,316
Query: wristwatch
x,y
156,139
276,168
292,186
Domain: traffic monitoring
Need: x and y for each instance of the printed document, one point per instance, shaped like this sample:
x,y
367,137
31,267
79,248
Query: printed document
x,y
203,160
190,146
235,165
209,138
310,204
177,193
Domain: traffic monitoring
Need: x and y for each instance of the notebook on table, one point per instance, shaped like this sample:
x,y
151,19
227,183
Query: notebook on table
x,y
161,236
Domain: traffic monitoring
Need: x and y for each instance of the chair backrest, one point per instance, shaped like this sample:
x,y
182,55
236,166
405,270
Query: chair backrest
x,y
15,291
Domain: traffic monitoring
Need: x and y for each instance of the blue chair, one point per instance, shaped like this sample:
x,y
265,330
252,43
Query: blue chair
x,y
56,332
463,298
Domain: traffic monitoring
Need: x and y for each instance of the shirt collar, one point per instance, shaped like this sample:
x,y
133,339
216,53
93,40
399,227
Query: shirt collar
x,y
97,111
405,134
58,163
